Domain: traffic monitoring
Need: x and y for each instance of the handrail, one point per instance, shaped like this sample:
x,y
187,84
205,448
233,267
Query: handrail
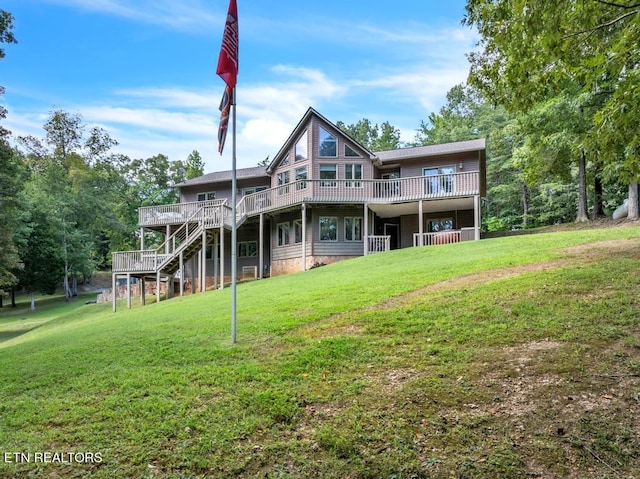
x,y
175,213
154,259
439,237
450,185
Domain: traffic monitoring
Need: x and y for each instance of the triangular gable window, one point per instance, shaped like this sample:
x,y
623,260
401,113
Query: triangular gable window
x,y
350,152
328,145
301,148
284,162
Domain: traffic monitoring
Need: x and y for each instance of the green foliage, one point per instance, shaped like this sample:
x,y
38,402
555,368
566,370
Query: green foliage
x,y
11,177
194,165
534,52
374,137
464,117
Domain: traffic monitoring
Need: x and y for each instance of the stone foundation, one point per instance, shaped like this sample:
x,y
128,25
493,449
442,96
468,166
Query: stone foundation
x,y
292,265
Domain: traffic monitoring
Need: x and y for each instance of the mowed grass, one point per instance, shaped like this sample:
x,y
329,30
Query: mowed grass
x,y
513,357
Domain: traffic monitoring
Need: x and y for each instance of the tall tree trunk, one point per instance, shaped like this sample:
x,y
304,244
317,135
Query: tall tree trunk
x,y
598,208
33,301
525,205
582,189
13,298
633,201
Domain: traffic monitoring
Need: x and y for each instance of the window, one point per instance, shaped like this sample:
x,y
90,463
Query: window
x,y
353,172
328,144
247,249
297,231
328,175
328,228
301,148
439,180
301,175
440,224
350,152
211,195
353,229
283,234
284,162
283,183
253,189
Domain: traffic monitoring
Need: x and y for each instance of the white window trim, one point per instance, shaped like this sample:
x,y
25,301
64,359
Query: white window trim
x,y
357,155
353,223
353,182
206,195
320,228
288,229
297,224
335,139
253,189
328,183
247,243
306,148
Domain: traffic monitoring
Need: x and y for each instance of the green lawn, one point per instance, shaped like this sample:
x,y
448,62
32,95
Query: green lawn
x,y
512,357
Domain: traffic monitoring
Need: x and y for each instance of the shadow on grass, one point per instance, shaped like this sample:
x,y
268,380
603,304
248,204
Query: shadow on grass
x,y
14,333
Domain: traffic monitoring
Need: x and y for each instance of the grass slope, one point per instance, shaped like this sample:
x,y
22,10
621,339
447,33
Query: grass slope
x,y
514,357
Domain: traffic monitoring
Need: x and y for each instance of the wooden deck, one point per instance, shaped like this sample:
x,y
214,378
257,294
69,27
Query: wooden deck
x,y
195,219
455,185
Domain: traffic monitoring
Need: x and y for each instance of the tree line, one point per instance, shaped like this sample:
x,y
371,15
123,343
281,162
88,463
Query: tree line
x,y
67,201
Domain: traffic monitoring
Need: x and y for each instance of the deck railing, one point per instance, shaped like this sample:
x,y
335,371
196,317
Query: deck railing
x,y
174,214
361,191
145,261
206,216
440,237
378,244
452,185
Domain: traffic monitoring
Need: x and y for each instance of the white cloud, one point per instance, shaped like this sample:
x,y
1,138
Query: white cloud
x,y
179,15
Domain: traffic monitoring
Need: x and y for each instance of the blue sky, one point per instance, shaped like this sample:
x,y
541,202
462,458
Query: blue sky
x,y
145,69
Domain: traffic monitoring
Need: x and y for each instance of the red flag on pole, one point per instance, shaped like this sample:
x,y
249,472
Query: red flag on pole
x,y
228,59
225,107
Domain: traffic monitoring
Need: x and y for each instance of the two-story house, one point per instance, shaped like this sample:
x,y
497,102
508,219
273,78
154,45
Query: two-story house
x,y
323,198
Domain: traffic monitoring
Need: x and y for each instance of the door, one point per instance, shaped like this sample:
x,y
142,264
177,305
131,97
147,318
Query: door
x,y
392,230
439,180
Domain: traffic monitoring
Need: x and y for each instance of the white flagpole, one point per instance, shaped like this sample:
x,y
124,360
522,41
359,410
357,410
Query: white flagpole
x,y
234,236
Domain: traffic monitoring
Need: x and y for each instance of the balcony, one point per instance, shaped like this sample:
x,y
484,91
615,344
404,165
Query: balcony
x,y
449,186
381,192
216,213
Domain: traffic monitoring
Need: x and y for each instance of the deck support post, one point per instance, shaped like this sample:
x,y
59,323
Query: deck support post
x,y
304,237
204,260
193,273
261,247
181,273
142,291
221,257
167,248
114,284
128,290
476,217
158,286
421,223
215,259
366,229
142,238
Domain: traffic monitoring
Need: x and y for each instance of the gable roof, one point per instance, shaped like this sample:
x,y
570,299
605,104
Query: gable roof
x,y
222,176
430,150
298,130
